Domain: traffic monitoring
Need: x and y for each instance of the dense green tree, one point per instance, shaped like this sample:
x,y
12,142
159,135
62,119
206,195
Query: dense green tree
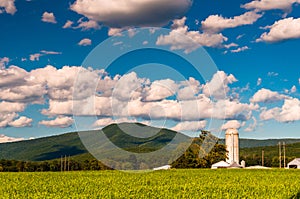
x,y
202,153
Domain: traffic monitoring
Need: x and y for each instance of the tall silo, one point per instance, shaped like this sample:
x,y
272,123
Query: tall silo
x,y
232,145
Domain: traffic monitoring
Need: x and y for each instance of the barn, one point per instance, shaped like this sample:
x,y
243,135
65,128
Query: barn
x,y
221,164
294,164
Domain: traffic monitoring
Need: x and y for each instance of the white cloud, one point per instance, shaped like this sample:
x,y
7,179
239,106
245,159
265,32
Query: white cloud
x,y
48,17
36,56
9,6
85,42
10,107
161,89
115,31
231,124
189,89
120,96
21,122
289,112
190,126
68,24
231,45
252,126
241,49
216,23
218,86
259,81
5,139
61,122
12,76
266,96
273,74
86,25
46,52
24,94
180,38
3,62
107,121
285,5
294,89
128,87
281,30
128,13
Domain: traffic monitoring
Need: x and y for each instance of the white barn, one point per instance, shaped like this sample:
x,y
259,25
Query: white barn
x,y
219,165
294,164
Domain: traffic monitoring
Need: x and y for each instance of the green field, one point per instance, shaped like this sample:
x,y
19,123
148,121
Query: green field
x,y
201,183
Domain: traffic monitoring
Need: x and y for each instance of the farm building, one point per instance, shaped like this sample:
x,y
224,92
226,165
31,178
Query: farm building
x,y
219,165
166,167
294,164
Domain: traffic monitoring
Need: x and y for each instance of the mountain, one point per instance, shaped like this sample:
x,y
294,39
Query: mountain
x,y
70,144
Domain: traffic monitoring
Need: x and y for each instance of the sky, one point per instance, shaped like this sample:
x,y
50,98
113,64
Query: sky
x,y
179,64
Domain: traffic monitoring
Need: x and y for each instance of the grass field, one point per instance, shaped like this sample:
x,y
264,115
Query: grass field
x,y
161,184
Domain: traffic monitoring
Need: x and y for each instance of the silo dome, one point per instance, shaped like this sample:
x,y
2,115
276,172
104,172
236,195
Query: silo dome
x,y
232,132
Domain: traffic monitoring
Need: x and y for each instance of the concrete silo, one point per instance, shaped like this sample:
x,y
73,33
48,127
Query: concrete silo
x,y
232,145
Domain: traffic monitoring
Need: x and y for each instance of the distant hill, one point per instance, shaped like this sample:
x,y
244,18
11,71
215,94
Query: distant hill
x,y
49,148
43,148
250,143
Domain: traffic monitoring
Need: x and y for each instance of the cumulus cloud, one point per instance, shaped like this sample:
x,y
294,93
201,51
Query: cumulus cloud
x,y
180,38
8,6
266,96
5,139
119,96
60,122
21,122
85,42
217,23
232,124
12,76
161,89
289,112
188,89
3,62
281,30
48,17
218,86
285,5
190,126
128,13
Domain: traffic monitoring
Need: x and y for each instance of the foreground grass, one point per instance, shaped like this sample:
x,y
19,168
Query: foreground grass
x,y
161,184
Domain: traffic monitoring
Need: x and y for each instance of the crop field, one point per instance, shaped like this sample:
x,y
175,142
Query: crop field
x,y
160,184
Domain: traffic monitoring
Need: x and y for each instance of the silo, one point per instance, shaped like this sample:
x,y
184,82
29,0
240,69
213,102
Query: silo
x,y
232,145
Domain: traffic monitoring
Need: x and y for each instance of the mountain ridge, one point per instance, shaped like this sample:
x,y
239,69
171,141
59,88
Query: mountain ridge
x,y
53,147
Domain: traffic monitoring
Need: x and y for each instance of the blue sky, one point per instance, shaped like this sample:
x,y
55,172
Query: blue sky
x,y
254,46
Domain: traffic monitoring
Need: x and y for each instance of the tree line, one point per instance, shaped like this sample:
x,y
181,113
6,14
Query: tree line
x,y
194,157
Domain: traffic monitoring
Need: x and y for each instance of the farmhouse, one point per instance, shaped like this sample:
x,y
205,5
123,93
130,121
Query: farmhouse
x,y
294,164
